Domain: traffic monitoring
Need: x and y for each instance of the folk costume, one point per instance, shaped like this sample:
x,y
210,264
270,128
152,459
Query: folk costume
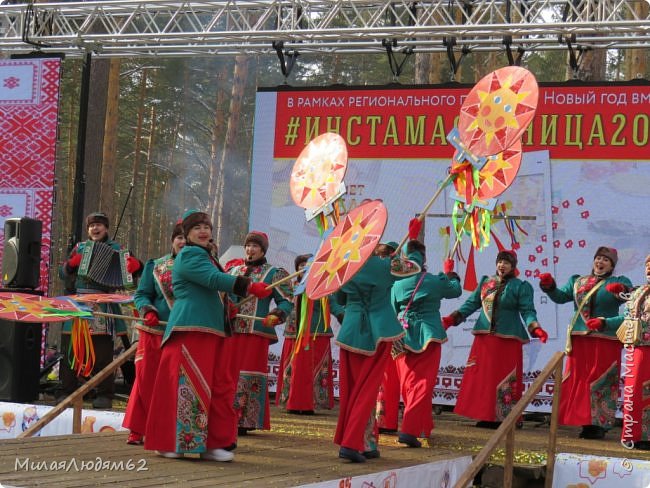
x,y
103,330
416,300
252,338
388,398
195,388
369,328
490,387
154,294
305,379
591,373
636,372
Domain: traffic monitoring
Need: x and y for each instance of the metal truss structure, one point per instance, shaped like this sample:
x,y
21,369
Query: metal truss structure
x,y
127,28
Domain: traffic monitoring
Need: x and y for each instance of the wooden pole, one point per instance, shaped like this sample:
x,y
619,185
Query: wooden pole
x,y
510,457
422,214
513,417
162,322
76,398
552,435
271,286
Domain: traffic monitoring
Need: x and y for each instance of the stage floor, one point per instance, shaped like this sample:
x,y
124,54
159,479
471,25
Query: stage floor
x,y
299,450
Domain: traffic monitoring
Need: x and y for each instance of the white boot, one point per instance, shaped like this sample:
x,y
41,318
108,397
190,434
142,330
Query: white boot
x,y
218,455
170,454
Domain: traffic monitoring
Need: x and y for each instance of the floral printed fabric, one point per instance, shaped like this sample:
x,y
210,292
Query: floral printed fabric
x,y
163,274
191,417
583,285
488,295
507,395
604,393
250,399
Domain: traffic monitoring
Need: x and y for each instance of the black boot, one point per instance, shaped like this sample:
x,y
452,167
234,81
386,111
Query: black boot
x,y
351,455
488,424
374,454
409,440
592,432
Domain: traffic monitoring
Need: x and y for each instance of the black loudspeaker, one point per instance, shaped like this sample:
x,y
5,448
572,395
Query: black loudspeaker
x,y
20,361
21,259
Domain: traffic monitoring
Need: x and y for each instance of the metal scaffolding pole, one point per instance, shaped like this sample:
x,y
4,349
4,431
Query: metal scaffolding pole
x,y
127,28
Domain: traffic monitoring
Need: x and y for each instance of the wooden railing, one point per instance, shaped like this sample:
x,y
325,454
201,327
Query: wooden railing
x,y
75,399
507,429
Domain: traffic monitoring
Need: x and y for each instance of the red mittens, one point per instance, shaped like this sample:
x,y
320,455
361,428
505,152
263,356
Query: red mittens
x,y
615,288
546,281
595,324
132,265
271,320
540,334
448,321
151,319
260,290
448,266
74,261
415,226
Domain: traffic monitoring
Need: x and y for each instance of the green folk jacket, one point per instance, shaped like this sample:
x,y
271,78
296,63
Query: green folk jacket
x,y
369,316
197,283
282,296
99,325
154,292
601,304
423,313
509,315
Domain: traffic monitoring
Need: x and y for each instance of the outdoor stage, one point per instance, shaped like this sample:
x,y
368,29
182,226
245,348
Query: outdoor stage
x,y
299,450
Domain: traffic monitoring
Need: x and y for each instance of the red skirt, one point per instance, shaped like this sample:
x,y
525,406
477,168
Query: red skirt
x,y
192,403
492,382
147,358
358,387
636,395
590,382
252,396
418,374
305,379
388,398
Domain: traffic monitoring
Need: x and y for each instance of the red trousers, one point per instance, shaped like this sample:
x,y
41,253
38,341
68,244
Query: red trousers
x,y
305,378
636,405
590,382
358,388
493,378
252,395
417,375
388,398
147,359
192,404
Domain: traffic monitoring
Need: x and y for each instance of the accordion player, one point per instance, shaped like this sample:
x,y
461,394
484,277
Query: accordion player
x,y
105,266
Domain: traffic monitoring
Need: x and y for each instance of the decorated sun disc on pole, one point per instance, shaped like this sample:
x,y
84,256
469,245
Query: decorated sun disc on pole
x,y
346,249
22,307
498,110
496,175
318,172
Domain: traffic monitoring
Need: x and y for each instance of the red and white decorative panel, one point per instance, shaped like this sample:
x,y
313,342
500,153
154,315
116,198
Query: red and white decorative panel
x,y
29,104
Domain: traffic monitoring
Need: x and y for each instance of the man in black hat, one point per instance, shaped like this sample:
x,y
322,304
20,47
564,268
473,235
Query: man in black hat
x,y
103,330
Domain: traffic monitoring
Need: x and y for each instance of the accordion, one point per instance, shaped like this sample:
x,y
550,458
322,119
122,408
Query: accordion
x,y
630,331
102,264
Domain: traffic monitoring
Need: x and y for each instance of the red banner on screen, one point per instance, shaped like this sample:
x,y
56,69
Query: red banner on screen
x,y
586,122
